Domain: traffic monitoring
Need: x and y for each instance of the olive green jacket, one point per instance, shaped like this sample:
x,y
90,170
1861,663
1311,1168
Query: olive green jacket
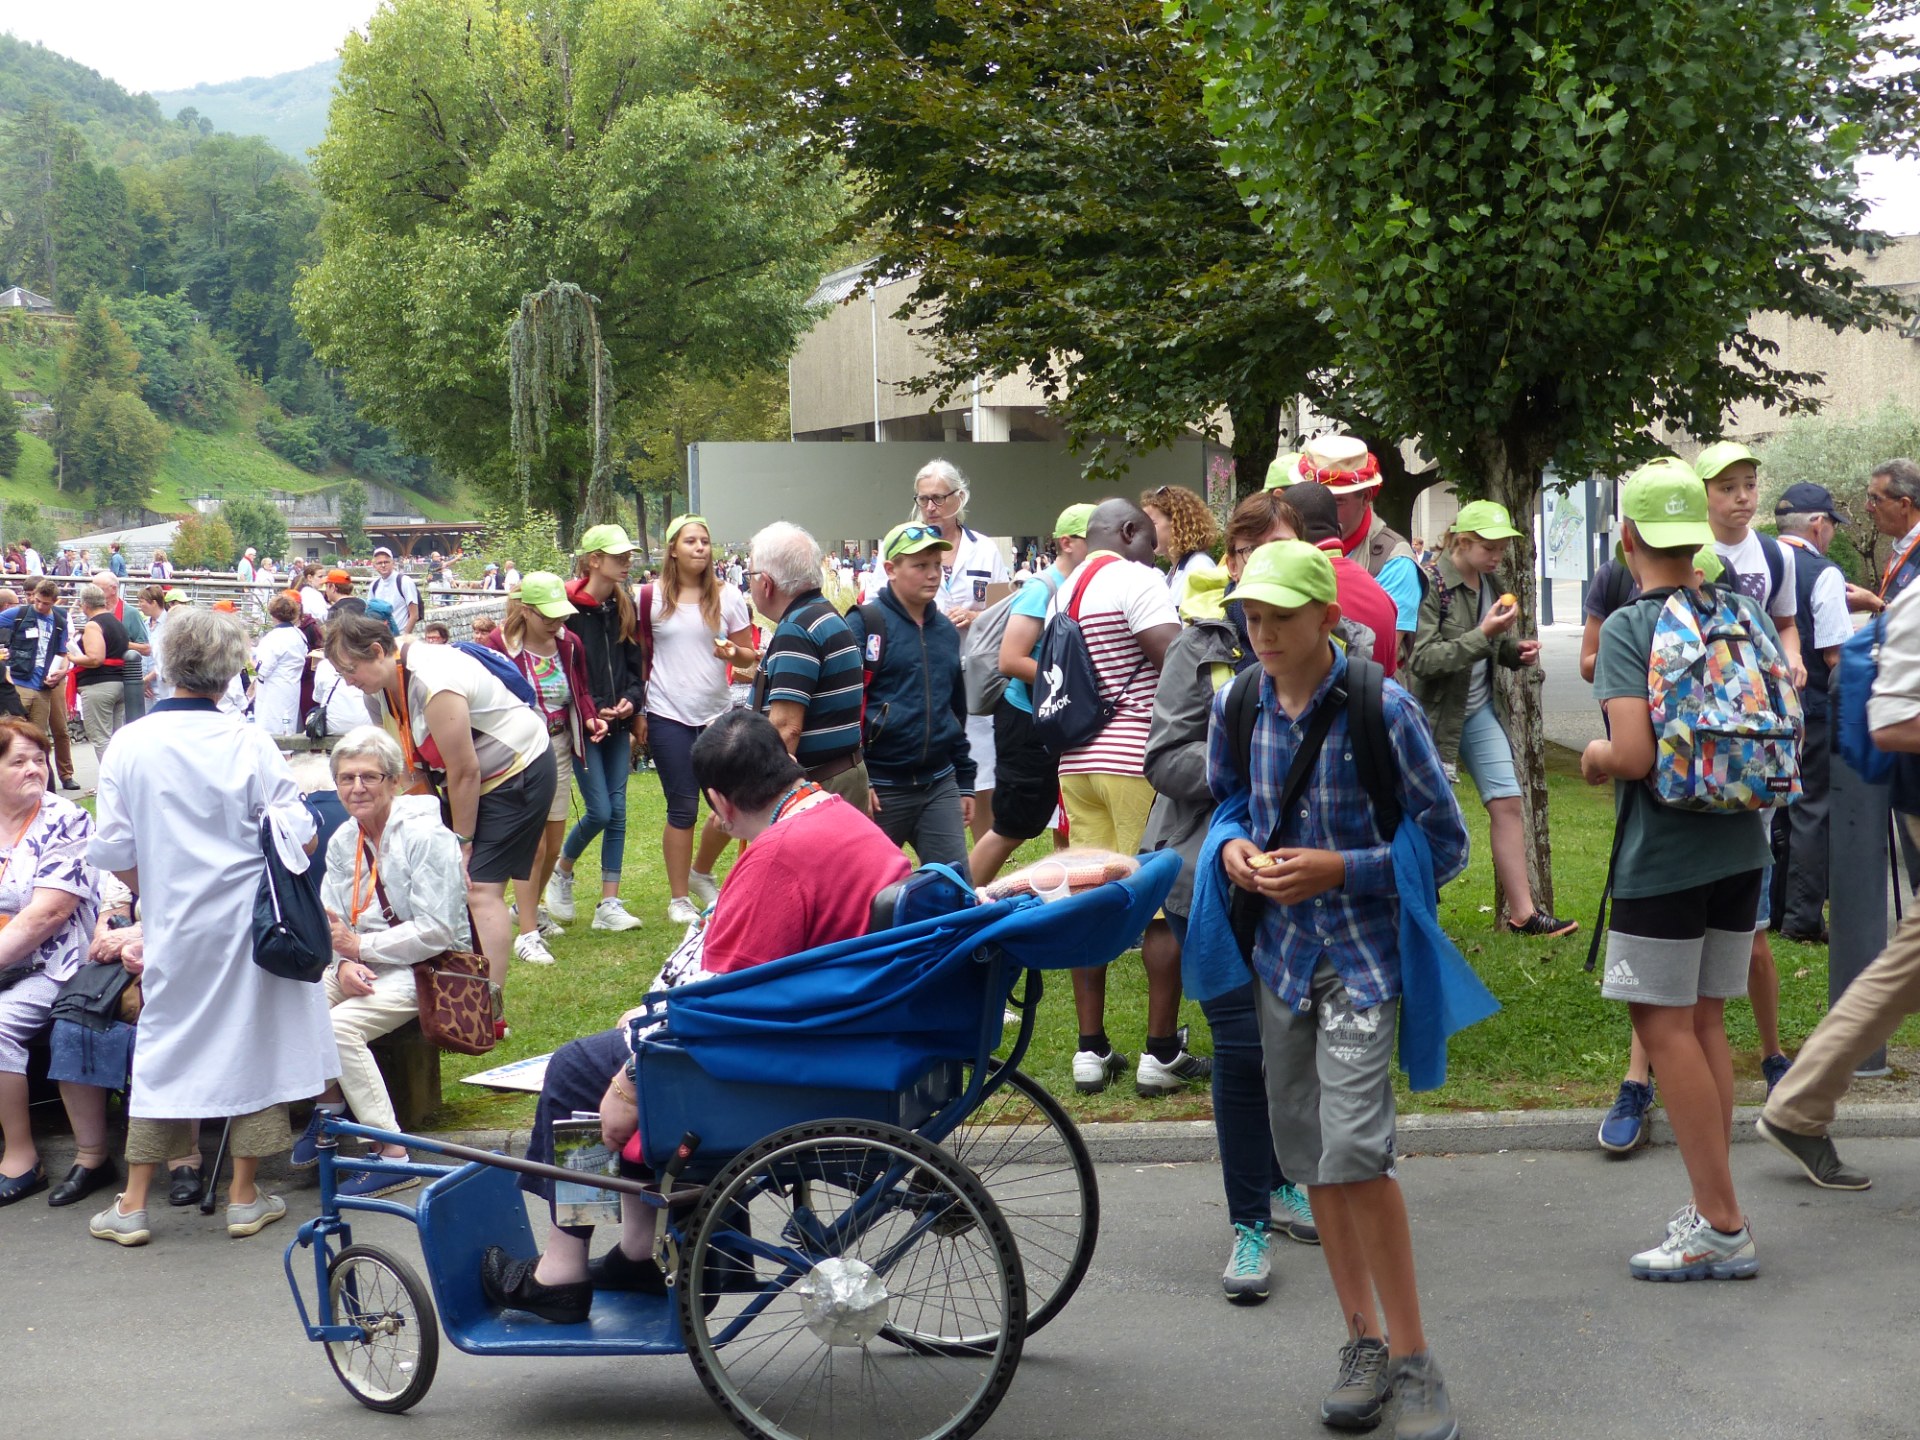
x,y
1445,649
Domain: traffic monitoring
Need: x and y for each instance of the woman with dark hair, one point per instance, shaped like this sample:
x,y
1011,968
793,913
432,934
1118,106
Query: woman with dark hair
x,y
1184,533
778,900
279,660
609,628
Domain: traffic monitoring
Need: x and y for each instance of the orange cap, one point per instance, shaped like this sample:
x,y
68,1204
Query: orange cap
x,y
226,605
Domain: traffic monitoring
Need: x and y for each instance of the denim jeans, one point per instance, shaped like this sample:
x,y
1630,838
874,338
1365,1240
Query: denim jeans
x,y
602,776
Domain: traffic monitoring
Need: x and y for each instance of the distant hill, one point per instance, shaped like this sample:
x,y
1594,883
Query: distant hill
x,y
120,129
289,110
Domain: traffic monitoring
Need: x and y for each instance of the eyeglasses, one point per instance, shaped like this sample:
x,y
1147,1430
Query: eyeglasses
x,y
1242,552
359,782
912,535
935,500
1885,499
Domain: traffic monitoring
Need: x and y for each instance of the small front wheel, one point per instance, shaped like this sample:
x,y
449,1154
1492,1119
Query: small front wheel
x,y
390,1367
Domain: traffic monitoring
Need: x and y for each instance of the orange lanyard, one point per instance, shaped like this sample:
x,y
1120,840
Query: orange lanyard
x,y
1895,568
360,905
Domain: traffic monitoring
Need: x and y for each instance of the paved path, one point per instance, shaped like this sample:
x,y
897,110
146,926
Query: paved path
x,y
1523,1257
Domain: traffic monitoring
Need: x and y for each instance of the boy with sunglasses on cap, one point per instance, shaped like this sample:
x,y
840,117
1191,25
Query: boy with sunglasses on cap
x,y
1326,956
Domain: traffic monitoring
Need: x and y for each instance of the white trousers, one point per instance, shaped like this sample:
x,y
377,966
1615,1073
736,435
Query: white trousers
x,y
359,1020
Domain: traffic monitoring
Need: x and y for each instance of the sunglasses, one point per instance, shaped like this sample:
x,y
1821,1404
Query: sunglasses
x,y
912,535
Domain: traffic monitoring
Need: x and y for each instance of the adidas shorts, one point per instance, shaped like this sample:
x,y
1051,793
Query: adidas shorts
x,y
1684,946
1329,1075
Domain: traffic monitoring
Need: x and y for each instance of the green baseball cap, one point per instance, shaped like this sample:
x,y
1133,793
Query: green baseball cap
x,y
1707,562
1289,574
174,597
911,539
1073,521
1667,504
680,522
608,538
1716,457
1284,471
545,592
1486,518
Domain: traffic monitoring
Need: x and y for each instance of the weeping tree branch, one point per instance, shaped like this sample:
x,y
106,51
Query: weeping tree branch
x,y
555,336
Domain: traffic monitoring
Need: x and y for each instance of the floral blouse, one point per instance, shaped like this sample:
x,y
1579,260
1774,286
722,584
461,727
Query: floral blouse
x,y
52,855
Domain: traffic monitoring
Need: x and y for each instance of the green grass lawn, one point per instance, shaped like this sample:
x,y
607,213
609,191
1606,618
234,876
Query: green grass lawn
x,y
1554,1042
32,479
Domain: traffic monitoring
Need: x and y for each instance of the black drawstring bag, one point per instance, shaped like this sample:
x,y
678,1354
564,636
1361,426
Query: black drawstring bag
x,y
291,937
92,996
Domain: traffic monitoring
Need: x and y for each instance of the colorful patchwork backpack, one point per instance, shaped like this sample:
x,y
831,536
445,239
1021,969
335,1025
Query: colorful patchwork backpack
x,y
1726,719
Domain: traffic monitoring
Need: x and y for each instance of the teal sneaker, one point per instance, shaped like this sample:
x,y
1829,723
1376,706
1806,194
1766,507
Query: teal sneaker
x,y
1293,1216
1248,1278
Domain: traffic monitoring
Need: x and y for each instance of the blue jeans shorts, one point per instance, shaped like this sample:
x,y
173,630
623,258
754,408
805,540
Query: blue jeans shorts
x,y
1486,755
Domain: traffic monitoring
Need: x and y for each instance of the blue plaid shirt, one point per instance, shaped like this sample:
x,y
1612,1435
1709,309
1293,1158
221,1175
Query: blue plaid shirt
x,y
1357,926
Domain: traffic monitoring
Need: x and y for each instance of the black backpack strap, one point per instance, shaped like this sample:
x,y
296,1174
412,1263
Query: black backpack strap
x,y
1776,567
1243,705
1606,893
1619,586
1372,744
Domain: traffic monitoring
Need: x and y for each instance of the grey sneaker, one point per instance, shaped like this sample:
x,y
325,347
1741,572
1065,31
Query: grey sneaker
x,y
1815,1155
1357,1396
245,1220
110,1224
1694,1250
1248,1278
1426,1412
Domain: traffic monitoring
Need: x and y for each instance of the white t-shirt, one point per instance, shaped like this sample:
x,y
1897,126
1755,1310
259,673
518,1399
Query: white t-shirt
x,y
399,592
689,681
1832,623
313,603
508,735
31,558
1177,576
1122,598
974,563
1747,572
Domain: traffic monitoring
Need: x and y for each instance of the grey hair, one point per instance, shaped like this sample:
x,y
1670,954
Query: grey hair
x,y
1903,478
1794,523
91,597
947,473
786,555
204,651
105,579
310,773
370,741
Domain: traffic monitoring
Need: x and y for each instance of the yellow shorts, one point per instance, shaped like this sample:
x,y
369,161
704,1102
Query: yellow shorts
x,y
1107,812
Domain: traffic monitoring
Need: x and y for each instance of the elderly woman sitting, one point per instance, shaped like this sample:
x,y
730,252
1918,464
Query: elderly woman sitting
x,y
47,908
395,894
779,899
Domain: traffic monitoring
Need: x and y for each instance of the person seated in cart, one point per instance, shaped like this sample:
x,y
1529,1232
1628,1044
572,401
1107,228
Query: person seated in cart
x,y
779,900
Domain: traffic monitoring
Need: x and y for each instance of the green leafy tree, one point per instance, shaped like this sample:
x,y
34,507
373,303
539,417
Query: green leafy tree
x,y
521,535
1536,233
9,434
477,151
1840,453
203,543
36,150
116,445
353,517
184,374
256,522
654,440
25,525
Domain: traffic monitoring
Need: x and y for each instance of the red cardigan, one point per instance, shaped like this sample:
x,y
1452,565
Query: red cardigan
x,y
573,664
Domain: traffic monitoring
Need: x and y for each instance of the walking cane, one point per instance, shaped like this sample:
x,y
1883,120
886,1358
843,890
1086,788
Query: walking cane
x,y
210,1185
1893,864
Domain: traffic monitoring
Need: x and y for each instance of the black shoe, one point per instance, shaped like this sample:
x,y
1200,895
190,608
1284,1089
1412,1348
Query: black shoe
x,y
1815,1155
82,1182
183,1186
1543,925
615,1271
509,1285
69,783
16,1188
1820,938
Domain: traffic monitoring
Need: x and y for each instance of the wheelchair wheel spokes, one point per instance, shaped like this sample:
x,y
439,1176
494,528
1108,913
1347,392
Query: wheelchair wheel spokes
x,y
906,1247
390,1367
1028,1153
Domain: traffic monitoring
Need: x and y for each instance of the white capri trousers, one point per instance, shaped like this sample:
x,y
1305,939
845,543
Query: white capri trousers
x,y
358,1021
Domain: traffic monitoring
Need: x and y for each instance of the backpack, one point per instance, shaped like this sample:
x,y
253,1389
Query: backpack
x,y
1360,696
980,659
1726,721
291,935
501,668
1069,708
1853,678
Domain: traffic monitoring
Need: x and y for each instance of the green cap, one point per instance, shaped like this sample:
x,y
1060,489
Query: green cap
x,y
1667,504
174,597
1707,562
680,522
545,592
911,539
1716,457
1073,521
1284,471
608,538
1486,518
1289,574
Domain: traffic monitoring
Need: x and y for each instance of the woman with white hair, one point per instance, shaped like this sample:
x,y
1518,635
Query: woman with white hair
x,y
180,805
940,496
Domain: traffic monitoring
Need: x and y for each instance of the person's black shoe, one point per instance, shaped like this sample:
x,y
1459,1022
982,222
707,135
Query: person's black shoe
x,y
615,1271
1815,1155
509,1285
183,1186
69,783
1543,925
82,1182
1796,936
15,1188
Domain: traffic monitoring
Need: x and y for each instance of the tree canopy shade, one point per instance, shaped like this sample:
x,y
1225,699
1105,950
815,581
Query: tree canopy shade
x,y
1537,232
478,150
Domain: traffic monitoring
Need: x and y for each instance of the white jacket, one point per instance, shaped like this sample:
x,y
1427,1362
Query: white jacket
x,y
420,871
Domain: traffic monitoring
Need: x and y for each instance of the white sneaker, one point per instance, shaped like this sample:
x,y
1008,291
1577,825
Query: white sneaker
x,y
1092,1072
682,911
610,914
532,949
548,927
559,896
705,889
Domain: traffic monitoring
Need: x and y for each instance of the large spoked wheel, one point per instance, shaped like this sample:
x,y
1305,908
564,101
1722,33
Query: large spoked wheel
x,y
820,1241
390,1368
1028,1152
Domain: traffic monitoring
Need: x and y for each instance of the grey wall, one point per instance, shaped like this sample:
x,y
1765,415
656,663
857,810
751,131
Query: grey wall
x,y
857,491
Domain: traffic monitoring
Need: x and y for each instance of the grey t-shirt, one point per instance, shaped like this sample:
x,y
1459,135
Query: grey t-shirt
x,y
1480,683
1662,849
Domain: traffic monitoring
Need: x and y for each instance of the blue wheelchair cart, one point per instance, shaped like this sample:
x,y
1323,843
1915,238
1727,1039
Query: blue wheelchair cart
x,y
866,1210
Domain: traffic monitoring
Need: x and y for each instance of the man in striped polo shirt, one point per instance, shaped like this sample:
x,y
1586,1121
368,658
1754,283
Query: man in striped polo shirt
x,y
1127,616
809,683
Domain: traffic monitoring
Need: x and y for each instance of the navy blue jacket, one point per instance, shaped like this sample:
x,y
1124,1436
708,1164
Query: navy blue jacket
x,y
21,625
916,729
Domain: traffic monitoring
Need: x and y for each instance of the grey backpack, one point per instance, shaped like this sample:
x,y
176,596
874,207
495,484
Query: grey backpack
x,y
980,659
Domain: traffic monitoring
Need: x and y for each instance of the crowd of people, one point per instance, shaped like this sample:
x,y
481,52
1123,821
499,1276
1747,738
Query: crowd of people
x,y
813,714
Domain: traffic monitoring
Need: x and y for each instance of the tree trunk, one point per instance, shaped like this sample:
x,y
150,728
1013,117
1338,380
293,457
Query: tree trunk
x,y
1399,488
1256,440
640,514
1517,486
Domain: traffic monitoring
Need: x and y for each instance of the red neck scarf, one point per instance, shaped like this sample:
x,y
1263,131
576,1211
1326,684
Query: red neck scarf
x,y
1351,543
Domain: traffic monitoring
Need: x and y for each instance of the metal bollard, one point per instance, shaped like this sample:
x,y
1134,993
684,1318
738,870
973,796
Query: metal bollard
x,y
1857,848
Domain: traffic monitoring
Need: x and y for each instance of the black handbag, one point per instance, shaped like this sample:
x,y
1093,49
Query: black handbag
x,y
14,974
291,936
92,997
